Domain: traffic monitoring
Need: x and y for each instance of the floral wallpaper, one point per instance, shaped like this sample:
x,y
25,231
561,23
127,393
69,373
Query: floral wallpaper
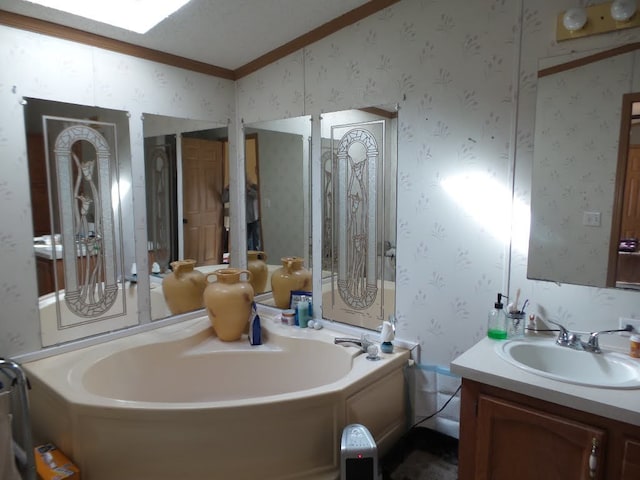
x,y
465,76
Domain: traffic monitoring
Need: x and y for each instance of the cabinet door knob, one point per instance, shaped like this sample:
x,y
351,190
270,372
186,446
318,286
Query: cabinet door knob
x,y
593,458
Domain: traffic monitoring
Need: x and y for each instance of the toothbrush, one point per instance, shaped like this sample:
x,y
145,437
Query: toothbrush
x,y
513,307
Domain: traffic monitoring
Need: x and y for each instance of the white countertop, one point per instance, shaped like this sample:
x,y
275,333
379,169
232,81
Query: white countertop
x,y
482,364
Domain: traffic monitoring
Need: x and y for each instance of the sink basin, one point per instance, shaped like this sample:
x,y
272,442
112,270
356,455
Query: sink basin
x,y
545,358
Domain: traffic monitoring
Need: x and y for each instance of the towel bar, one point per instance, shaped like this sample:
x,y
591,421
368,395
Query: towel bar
x,y
19,382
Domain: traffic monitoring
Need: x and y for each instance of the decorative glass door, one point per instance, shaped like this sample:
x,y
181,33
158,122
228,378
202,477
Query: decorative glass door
x,y
82,170
357,193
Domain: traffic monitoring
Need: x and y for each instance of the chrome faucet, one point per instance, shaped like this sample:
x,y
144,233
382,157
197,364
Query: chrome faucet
x,y
570,339
362,343
567,338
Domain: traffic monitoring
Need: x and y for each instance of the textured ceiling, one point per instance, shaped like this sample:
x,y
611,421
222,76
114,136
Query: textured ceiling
x,y
225,33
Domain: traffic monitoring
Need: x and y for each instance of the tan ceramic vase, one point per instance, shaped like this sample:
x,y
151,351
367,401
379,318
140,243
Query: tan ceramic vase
x,y
291,276
257,265
183,288
228,301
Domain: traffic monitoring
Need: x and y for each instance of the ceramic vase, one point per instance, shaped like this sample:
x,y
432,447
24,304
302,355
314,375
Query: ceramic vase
x,y
257,265
183,287
228,301
291,276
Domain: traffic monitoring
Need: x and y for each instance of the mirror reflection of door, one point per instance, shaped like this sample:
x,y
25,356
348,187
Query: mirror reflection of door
x,y
626,238
630,227
203,212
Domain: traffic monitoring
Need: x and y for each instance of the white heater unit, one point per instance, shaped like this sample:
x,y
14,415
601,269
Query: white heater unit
x,y
358,453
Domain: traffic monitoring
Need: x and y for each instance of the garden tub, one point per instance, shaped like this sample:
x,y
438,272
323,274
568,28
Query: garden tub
x,y
178,403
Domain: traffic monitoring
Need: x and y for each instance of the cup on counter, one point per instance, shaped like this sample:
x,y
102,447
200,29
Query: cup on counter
x,y
515,324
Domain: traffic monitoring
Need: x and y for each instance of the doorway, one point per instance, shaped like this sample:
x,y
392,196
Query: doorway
x,y
203,208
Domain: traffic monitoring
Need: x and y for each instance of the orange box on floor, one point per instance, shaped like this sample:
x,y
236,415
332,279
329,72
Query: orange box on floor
x,y
52,464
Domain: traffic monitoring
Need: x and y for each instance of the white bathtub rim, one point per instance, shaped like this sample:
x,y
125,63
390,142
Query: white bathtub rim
x,y
61,373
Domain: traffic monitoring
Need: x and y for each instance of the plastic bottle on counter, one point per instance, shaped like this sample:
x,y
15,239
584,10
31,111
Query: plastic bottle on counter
x,y
303,313
634,346
255,329
497,325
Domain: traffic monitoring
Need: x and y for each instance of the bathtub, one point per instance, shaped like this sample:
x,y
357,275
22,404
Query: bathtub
x,y
177,403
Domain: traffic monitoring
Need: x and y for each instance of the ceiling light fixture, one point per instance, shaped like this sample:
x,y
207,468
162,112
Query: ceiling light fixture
x,y
604,17
138,16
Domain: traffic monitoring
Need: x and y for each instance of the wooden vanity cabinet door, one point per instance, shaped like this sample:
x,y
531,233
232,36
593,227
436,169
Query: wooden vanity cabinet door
x,y
631,460
518,442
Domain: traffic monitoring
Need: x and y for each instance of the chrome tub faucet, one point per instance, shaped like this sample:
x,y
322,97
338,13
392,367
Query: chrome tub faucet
x,y
362,343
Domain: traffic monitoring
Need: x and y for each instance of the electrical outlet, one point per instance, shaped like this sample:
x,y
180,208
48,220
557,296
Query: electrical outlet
x,y
634,322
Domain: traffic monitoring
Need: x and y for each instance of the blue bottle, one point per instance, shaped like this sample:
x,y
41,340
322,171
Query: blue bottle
x,y
255,330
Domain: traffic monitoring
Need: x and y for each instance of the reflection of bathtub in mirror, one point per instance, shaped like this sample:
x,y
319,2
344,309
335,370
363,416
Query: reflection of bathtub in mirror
x,y
266,297
47,251
207,269
51,334
161,310
49,264
333,304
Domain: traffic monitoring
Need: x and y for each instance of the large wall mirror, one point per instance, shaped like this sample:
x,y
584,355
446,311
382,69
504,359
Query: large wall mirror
x,y
277,162
80,177
585,144
186,165
359,177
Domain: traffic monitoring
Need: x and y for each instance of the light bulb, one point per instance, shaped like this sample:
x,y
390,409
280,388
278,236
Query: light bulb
x,y
574,19
623,10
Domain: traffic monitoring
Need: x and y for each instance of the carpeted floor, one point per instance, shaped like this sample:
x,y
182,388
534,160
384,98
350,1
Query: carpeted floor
x,y
422,455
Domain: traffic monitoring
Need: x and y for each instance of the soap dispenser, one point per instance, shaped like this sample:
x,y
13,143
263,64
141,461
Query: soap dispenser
x,y
497,326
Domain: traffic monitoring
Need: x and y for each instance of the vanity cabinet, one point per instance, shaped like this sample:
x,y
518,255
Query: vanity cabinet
x,y
506,435
631,459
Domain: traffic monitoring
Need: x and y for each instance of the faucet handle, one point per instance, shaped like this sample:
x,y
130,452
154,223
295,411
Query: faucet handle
x,y
563,336
593,344
366,343
567,338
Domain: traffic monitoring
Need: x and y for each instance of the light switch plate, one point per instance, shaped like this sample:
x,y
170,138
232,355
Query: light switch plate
x,y
591,219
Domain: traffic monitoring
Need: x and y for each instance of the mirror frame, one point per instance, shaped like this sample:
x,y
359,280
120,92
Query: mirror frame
x,y
621,164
